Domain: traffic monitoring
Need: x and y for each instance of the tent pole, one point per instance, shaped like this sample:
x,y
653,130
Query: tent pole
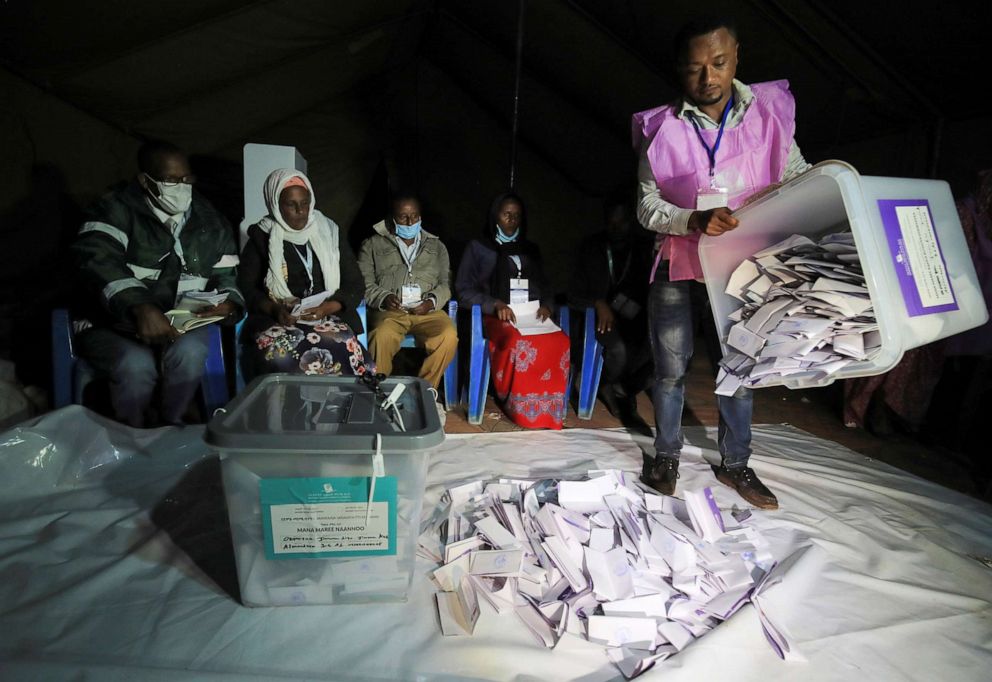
x,y
516,96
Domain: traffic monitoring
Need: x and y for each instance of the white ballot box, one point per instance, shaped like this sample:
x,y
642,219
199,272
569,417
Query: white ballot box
x,y
911,249
317,516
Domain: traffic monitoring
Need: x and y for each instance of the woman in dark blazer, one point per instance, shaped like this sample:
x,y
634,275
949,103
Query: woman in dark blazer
x,y
502,270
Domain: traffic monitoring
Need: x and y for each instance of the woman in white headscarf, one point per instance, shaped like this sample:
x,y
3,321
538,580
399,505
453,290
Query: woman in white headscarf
x,y
296,253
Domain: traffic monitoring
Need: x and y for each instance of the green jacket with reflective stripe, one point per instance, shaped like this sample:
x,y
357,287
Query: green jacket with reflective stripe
x,y
124,255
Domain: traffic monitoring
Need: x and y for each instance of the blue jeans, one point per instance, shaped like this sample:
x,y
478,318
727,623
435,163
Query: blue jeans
x,y
134,368
672,308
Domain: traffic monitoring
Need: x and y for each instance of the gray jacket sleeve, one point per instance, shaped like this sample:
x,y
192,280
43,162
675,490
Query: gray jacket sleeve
x,y
653,212
442,292
795,164
375,295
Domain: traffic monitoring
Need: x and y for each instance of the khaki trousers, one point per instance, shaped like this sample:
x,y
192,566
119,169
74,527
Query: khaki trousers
x,y
434,332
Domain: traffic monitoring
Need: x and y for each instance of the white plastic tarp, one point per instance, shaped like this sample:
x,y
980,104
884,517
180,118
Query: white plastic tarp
x,y
91,586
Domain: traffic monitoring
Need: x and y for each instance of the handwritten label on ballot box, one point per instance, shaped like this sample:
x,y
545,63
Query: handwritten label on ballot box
x,y
916,254
320,518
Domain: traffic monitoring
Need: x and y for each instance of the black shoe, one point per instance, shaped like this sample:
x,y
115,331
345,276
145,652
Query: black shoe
x,y
633,421
748,485
608,395
661,474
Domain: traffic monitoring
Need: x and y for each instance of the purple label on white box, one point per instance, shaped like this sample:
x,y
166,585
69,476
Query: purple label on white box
x,y
917,257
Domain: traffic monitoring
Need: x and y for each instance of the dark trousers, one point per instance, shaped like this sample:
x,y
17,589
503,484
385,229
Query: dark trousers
x,y
673,308
134,369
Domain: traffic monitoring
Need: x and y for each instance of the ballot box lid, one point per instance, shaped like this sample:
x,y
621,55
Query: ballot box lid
x,y
321,414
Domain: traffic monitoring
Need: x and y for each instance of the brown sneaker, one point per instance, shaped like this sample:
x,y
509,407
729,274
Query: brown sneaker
x,y
661,474
748,485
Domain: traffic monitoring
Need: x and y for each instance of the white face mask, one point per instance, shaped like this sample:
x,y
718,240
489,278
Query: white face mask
x,y
174,199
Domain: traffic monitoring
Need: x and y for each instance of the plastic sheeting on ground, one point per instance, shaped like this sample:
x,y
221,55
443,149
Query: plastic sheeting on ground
x,y
115,564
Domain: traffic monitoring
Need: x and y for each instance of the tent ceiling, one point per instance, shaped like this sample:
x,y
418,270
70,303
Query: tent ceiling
x,y
210,74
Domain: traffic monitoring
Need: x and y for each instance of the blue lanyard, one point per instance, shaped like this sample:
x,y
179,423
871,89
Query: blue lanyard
x,y
711,151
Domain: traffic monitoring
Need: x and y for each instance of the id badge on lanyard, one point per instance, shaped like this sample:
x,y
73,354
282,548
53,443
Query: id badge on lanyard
x,y
410,295
711,197
519,291
714,196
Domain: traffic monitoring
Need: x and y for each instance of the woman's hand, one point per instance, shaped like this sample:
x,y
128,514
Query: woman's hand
x,y
325,309
605,318
284,316
543,313
504,312
280,312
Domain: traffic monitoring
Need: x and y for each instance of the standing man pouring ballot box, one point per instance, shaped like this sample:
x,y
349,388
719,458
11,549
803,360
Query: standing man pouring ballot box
x,y
720,144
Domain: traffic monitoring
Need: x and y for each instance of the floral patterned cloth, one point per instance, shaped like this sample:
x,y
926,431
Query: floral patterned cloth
x,y
530,374
327,348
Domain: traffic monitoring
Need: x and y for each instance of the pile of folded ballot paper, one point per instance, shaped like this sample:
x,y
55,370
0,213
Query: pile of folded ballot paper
x,y
806,310
603,559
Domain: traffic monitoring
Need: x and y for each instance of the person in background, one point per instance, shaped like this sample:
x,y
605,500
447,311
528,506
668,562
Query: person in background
x,y
500,270
140,249
297,253
612,277
407,272
700,158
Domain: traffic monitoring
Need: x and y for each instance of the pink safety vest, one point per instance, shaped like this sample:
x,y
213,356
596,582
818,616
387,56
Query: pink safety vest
x,y
752,155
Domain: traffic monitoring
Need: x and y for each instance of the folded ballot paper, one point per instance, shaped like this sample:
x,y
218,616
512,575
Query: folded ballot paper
x,y
183,316
603,559
806,310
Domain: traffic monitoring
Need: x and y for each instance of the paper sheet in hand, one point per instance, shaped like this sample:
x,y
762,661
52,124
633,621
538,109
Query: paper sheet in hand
x,y
195,301
528,324
309,303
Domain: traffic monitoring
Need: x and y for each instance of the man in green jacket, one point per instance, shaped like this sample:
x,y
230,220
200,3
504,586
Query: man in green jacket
x,y
141,248
407,276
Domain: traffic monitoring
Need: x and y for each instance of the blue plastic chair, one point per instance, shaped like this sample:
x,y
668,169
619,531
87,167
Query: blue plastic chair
x,y
592,367
450,379
71,374
478,369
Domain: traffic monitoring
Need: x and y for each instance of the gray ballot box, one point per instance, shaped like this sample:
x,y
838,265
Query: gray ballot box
x,y
317,517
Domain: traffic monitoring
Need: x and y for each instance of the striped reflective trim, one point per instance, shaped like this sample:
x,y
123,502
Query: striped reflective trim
x,y
119,285
227,261
144,273
109,230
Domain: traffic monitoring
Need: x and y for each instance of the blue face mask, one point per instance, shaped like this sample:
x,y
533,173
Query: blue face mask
x,y
504,238
408,231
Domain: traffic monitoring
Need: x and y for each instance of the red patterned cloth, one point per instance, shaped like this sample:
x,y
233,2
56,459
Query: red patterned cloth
x,y
529,374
